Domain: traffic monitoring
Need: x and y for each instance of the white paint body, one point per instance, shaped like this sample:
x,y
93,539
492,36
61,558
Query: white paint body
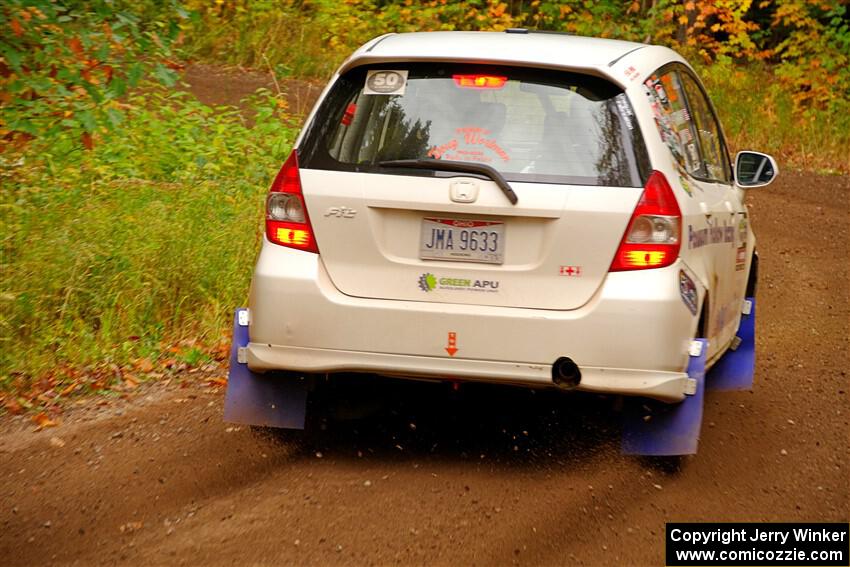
x,y
356,306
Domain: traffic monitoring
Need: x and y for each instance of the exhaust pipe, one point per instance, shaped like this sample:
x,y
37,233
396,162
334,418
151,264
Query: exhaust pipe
x,y
565,373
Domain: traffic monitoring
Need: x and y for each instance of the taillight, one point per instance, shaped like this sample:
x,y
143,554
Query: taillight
x,y
287,221
480,81
654,232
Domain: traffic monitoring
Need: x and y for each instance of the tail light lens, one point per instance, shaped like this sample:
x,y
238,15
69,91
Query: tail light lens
x,y
654,232
287,222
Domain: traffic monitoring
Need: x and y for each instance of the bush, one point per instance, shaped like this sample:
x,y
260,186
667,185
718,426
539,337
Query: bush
x,y
147,239
66,66
760,113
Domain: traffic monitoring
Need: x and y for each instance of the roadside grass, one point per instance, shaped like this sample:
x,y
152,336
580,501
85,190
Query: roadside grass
x,y
113,256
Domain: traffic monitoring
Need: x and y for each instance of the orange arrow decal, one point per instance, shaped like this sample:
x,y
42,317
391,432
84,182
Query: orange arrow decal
x,y
452,348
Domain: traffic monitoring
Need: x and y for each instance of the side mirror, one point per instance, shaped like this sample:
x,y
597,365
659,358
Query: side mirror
x,y
754,169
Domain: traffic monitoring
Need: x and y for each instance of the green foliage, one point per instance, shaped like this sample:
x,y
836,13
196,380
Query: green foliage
x,y
814,56
144,240
66,65
760,113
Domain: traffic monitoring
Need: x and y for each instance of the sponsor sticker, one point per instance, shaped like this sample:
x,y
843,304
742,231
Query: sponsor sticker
x,y
697,238
693,155
662,94
742,230
688,291
663,121
429,282
625,111
741,251
741,258
380,82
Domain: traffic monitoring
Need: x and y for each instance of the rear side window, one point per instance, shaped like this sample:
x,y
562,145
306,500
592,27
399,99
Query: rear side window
x,y
531,125
675,123
710,140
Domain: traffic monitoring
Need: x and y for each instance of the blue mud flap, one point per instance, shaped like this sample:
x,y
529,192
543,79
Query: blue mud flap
x,y
658,429
736,369
255,399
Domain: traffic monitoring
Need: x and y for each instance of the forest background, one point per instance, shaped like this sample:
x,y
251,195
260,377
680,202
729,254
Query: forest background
x,y
131,212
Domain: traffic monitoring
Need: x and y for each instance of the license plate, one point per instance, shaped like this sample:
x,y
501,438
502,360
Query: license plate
x,y
462,240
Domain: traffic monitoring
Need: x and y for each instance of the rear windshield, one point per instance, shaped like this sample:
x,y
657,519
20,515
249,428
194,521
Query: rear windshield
x,y
531,125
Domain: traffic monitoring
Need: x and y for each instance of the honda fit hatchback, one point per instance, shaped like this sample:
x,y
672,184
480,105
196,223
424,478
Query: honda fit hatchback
x,y
521,208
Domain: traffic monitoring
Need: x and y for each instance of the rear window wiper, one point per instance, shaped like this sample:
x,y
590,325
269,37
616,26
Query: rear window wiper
x,y
460,167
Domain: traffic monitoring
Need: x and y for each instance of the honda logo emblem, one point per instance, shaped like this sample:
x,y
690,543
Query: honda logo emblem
x,y
463,191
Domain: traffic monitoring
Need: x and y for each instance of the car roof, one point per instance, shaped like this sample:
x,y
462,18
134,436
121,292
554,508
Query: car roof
x,y
517,47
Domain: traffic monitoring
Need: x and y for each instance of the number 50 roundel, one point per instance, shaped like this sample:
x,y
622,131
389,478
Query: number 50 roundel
x,y
385,82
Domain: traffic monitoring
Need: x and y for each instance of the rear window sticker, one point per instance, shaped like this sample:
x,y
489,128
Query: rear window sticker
x,y
671,90
661,94
688,291
471,144
668,134
693,157
625,110
437,152
681,116
656,112
382,82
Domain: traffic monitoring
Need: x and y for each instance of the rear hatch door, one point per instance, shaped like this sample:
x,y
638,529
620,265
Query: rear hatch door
x,y
566,143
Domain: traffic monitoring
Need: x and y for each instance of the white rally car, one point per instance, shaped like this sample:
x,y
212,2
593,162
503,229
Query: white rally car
x,y
523,208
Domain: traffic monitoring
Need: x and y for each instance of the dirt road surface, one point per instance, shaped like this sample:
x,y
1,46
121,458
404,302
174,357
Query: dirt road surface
x,y
484,476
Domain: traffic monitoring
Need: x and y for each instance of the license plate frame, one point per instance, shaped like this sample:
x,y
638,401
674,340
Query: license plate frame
x,y
483,242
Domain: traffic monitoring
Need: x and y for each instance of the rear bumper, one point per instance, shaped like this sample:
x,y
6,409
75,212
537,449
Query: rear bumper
x,y
665,386
631,338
